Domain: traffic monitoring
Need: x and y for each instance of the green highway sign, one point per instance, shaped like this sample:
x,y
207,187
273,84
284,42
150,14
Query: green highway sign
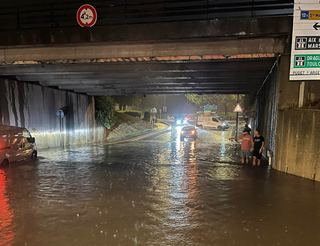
x,y
307,61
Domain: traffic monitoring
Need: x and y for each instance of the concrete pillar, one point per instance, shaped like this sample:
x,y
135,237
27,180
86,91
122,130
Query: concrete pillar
x,y
302,87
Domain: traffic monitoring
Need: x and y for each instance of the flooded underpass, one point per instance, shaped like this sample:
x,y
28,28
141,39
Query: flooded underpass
x,y
155,191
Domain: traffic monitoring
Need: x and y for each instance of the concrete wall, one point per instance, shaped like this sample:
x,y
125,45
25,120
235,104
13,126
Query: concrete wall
x,y
267,106
233,27
298,142
292,134
35,107
288,91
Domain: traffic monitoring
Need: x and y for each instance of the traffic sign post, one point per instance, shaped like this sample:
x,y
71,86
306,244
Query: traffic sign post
x,y
237,110
153,111
87,16
305,50
60,114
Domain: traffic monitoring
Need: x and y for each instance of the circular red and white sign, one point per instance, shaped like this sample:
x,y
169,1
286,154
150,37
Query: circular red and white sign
x,y
87,15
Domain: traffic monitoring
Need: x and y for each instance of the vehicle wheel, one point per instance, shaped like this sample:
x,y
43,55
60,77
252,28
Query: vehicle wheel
x,y
219,128
5,163
34,155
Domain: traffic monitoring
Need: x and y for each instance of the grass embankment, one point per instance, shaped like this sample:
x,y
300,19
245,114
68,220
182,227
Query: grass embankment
x,y
126,125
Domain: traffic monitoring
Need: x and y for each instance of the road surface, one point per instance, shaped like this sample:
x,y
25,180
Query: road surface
x,y
155,191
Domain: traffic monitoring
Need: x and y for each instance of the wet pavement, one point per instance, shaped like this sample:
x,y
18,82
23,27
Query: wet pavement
x,y
155,191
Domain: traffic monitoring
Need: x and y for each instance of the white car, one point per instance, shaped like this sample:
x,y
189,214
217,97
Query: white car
x,y
16,144
212,122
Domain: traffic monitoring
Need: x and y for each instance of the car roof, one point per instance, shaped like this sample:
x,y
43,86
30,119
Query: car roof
x,y
7,128
188,127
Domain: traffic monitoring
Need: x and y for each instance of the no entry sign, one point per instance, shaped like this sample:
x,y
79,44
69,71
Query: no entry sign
x,y
86,15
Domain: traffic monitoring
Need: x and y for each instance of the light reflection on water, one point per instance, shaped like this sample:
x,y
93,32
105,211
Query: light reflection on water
x,y
6,216
163,192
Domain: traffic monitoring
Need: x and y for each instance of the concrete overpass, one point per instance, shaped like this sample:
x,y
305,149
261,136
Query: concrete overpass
x,y
215,56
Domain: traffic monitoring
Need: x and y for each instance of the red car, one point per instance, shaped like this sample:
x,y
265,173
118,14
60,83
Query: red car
x,y
188,132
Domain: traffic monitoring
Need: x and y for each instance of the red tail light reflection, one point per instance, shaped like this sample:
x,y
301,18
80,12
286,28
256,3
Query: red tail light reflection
x,y
6,229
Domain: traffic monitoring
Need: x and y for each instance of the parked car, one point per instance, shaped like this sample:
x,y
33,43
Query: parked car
x,y
16,144
212,122
188,132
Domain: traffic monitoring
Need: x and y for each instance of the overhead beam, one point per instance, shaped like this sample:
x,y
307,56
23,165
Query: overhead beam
x,y
172,92
154,32
219,46
114,68
152,82
147,89
142,90
125,86
210,80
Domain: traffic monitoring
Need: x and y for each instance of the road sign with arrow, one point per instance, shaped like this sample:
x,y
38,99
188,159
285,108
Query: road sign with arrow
x,y
316,26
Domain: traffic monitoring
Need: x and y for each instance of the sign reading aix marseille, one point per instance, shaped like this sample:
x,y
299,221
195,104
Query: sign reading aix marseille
x,y
305,52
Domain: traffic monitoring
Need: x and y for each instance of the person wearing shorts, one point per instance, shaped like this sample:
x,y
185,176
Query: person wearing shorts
x,y
247,143
258,141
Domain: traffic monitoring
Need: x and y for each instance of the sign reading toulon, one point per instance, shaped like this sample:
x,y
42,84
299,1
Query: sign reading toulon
x,y
305,51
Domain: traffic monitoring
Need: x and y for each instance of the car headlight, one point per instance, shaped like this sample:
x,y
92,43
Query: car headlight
x,y
193,132
185,121
178,121
182,132
224,124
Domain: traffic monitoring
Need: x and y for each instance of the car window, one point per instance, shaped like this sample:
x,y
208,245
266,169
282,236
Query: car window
x,y
26,134
214,120
188,128
4,141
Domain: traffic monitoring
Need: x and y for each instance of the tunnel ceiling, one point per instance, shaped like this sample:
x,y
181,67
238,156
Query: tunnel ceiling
x,y
239,76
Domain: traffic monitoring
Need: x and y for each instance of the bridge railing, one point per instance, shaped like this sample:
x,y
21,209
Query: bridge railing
x,y
120,12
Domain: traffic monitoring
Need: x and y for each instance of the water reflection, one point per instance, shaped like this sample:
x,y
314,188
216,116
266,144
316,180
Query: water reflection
x,y
146,193
6,228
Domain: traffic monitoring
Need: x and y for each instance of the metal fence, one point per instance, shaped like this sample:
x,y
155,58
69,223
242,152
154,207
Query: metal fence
x,y
120,12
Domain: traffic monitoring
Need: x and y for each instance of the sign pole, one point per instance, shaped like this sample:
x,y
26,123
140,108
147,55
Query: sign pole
x,y
237,118
60,133
60,114
153,111
301,94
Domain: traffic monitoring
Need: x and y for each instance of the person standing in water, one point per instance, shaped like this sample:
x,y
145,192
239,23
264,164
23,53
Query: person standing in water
x,y
247,143
258,145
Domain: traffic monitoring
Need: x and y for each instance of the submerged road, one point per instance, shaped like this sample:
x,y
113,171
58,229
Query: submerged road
x,y
155,191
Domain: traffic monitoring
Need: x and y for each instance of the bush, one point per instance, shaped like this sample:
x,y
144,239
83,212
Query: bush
x,y
105,111
146,117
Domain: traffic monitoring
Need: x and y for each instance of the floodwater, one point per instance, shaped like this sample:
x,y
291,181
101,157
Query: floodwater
x,y
155,191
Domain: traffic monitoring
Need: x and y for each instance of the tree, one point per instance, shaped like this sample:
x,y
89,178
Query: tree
x,y
146,116
226,100
104,106
125,101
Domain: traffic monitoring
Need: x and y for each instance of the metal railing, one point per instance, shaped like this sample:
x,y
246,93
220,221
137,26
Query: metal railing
x,y
121,12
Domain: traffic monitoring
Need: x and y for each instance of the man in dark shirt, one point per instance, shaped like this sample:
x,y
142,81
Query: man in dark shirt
x,y
258,143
